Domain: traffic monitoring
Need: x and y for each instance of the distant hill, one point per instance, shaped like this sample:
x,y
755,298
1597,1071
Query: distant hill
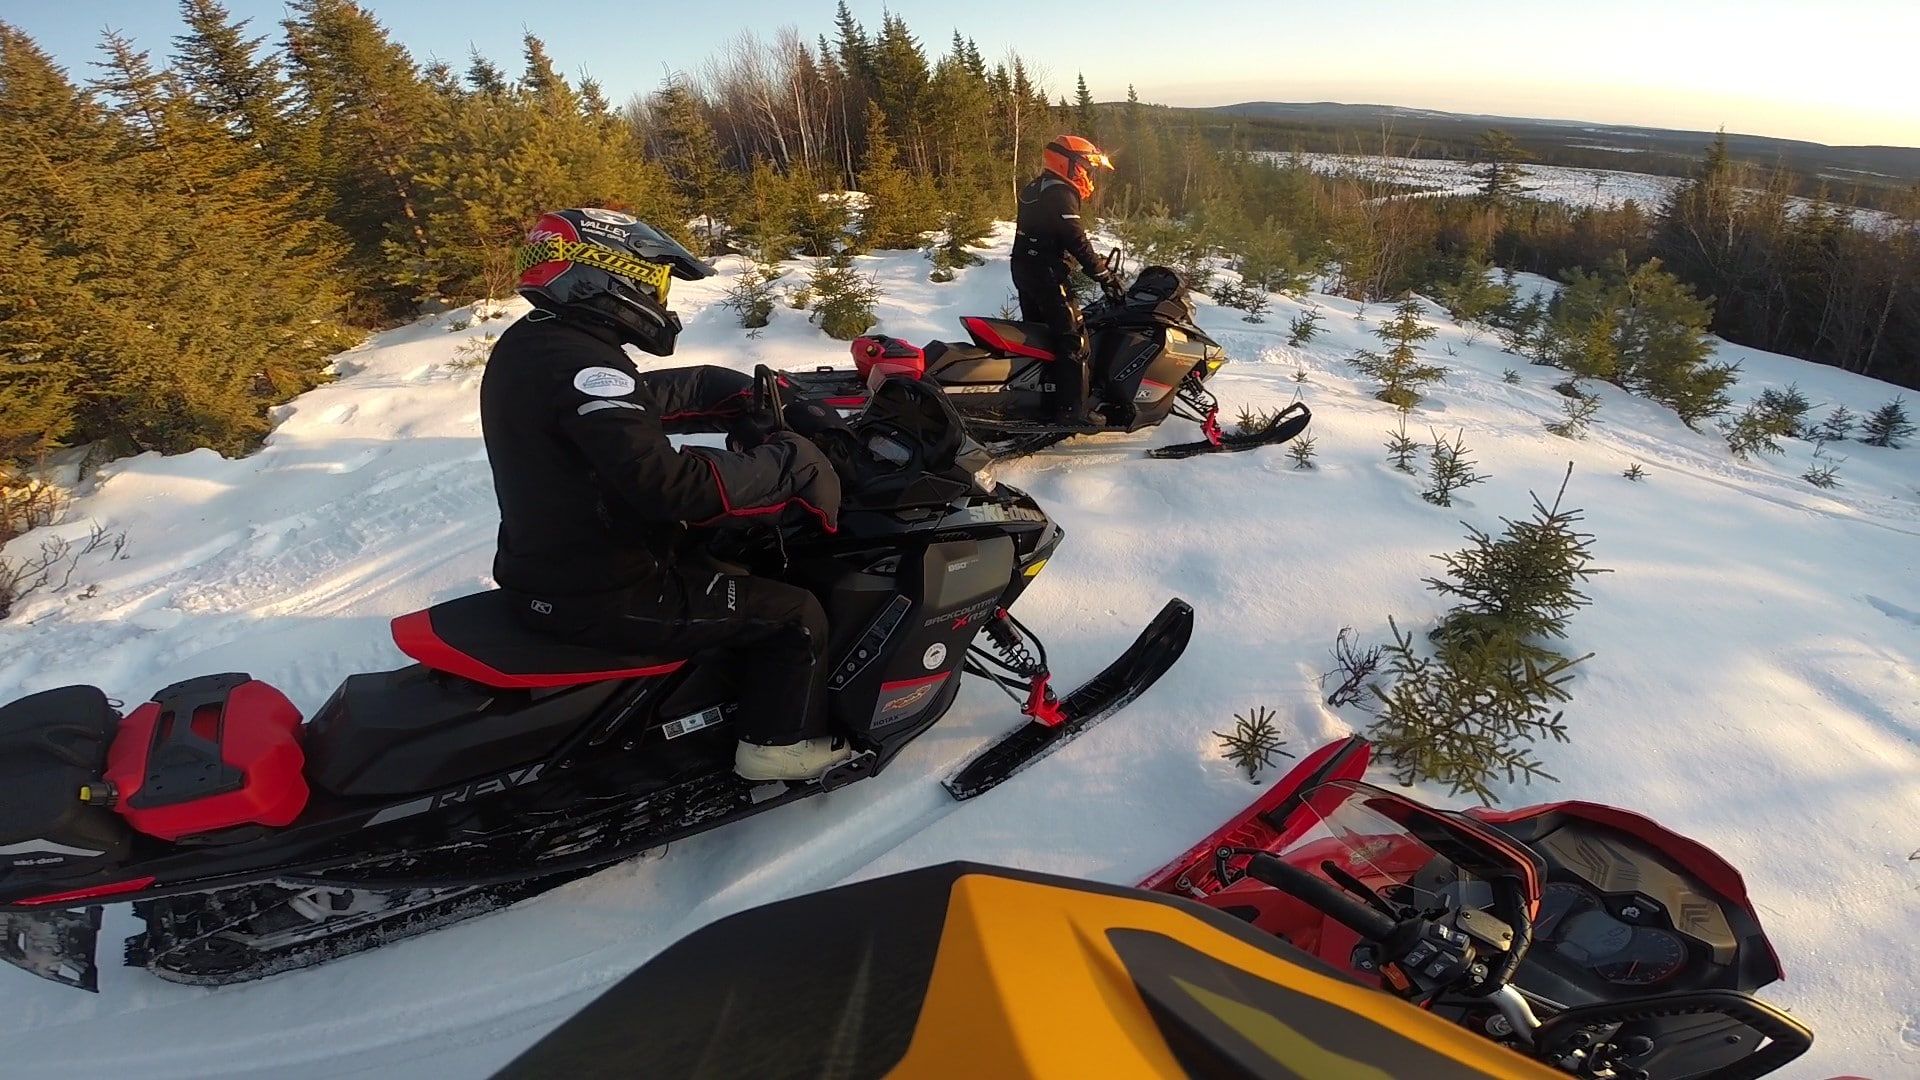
x,y
1574,142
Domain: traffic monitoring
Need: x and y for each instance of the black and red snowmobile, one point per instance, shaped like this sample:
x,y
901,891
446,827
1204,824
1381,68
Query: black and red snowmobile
x,y
1579,934
1150,362
499,764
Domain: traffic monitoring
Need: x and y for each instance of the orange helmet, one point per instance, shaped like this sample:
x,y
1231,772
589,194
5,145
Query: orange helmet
x,y
1073,159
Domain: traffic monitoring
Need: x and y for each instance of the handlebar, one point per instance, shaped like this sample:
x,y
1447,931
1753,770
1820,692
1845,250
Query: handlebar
x,y
767,399
1324,896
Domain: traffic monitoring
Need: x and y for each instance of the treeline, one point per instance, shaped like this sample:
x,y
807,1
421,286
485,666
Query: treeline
x,y
191,238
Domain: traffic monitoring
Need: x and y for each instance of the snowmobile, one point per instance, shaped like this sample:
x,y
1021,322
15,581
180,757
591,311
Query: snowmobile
x,y
1150,361
499,764
1581,935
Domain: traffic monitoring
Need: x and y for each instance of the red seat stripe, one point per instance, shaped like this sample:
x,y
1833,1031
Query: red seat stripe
x,y
984,333
413,633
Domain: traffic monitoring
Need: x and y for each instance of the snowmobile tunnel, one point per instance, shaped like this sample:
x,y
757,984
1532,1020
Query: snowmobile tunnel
x,y
970,970
477,637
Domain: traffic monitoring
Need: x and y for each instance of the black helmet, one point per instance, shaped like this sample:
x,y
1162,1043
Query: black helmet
x,y
607,267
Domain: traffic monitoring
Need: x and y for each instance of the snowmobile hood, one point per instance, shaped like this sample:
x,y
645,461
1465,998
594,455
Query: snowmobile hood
x,y
967,970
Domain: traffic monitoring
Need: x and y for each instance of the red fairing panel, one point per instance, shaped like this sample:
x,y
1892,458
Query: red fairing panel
x,y
1343,760
258,731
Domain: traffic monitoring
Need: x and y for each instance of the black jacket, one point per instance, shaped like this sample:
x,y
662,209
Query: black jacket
x,y
592,495
1048,232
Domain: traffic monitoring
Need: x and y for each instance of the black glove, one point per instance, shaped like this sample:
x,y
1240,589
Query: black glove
x,y
814,480
749,428
1110,283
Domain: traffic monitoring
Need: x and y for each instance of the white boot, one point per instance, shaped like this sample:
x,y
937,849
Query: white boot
x,y
804,760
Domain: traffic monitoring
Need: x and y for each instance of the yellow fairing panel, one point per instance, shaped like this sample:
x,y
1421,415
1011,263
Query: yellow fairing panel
x,y
1036,980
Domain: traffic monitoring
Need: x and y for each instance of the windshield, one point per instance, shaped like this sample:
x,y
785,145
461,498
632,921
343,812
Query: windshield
x,y
1413,856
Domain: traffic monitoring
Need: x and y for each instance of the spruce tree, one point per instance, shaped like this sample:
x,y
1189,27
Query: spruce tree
x,y
61,173
498,155
682,139
1084,120
1838,425
199,338
228,75
1470,713
360,110
38,369
1400,371
1499,173
898,208
1887,425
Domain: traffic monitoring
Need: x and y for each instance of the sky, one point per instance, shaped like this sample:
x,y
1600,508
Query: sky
x,y
1832,71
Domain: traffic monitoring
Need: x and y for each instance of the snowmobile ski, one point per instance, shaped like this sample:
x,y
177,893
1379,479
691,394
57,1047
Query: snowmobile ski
x,y
1137,669
1283,426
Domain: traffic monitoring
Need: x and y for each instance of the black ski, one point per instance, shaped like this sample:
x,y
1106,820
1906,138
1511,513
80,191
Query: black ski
x,y
1287,423
1148,658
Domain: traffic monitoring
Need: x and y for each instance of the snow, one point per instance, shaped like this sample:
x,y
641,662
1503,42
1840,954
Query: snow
x,y
1754,686
1577,187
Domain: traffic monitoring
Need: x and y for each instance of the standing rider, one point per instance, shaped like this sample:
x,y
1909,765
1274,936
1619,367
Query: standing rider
x,y
1048,241
595,502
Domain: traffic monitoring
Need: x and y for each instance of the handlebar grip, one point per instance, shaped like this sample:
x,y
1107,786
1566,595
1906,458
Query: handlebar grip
x,y
1336,903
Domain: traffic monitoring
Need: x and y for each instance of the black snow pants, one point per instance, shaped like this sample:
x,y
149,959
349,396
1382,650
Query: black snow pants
x,y
774,636
1044,298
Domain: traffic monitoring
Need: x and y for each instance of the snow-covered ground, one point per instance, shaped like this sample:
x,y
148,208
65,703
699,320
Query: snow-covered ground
x,y
1756,683
1547,183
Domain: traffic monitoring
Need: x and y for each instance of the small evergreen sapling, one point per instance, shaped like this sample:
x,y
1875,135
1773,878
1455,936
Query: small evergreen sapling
x,y
843,298
1887,425
1526,583
1402,448
1838,425
1464,718
1400,370
1451,470
1510,377
1785,410
1754,431
1301,450
1303,327
1471,711
752,294
1253,741
1635,473
1578,412
1822,471
1251,299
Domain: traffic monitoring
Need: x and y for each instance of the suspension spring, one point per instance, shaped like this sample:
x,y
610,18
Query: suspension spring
x,y
1012,648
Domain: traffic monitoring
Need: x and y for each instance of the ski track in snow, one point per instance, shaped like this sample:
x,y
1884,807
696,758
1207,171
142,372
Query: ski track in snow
x,y
1754,685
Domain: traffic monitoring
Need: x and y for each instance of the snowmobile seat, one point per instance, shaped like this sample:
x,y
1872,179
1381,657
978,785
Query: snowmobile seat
x,y
939,354
477,637
1008,336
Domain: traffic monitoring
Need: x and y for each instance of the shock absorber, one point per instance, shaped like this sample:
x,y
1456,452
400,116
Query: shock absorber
x,y
1012,649
1041,704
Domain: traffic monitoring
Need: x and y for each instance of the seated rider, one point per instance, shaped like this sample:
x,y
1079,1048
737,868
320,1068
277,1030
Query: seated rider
x,y
1048,240
595,502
